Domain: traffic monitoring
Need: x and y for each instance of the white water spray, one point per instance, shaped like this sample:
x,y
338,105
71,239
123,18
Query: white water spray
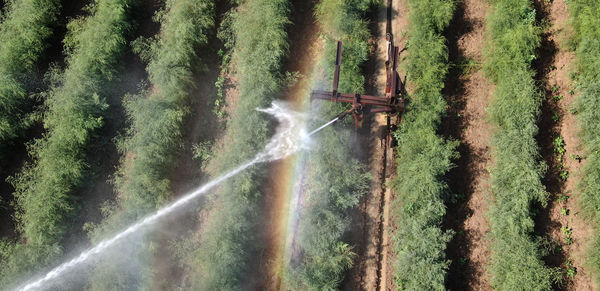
x,y
289,138
323,126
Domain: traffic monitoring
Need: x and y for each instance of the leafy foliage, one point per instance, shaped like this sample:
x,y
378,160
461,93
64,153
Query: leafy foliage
x,y
156,119
334,181
155,134
333,185
227,240
516,175
44,190
226,34
585,21
422,156
23,33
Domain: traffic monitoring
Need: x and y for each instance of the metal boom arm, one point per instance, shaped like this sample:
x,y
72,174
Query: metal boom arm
x,y
391,103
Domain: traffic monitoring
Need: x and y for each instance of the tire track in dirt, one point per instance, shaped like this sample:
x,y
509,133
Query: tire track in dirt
x,y
562,214
400,25
373,269
468,94
367,238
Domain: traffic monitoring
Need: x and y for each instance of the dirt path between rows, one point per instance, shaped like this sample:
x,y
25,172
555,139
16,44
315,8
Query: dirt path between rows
x,y
368,237
400,26
468,94
373,268
562,217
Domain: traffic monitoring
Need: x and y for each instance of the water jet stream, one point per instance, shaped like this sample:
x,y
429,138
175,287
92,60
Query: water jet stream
x,y
289,138
323,126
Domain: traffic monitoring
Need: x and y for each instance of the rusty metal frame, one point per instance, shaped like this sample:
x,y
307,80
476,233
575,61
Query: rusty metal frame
x,y
391,103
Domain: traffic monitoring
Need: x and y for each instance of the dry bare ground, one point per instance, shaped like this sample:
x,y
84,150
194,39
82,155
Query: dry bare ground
x,y
554,69
373,269
469,94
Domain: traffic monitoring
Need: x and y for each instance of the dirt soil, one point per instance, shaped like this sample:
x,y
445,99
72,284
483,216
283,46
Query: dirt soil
x,y
202,215
554,66
400,26
468,95
373,268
